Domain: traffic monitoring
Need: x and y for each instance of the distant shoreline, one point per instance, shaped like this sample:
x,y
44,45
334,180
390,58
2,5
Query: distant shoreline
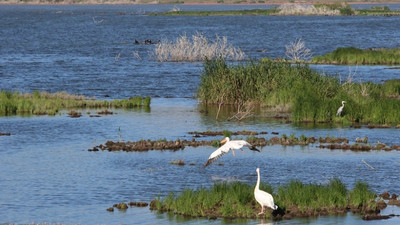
x,y
190,3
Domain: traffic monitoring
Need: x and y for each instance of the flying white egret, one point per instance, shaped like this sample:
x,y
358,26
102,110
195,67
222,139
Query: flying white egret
x,y
262,197
229,145
339,111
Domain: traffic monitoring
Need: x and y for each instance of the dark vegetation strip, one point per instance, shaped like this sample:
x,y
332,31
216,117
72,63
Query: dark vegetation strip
x,y
296,199
44,103
378,11
263,12
344,10
356,56
299,90
122,206
225,133
360,144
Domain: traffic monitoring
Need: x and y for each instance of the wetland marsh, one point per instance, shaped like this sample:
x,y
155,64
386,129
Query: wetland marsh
x,y
49,176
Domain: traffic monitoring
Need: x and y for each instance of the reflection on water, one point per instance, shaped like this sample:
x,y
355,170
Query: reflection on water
x,y
349,218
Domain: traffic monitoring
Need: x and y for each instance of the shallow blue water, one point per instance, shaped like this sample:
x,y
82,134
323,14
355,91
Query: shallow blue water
x,y
47,174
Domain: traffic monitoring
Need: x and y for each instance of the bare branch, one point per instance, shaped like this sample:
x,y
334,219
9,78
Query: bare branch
x,y
297,51
244,111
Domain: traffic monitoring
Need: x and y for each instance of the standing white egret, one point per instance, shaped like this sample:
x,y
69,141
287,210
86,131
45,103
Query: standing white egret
x,y
229,145
339,111
262,197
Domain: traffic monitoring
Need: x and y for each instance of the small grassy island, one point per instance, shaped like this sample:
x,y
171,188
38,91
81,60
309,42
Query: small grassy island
x,y
44,103
320,9
300,91
356,56
296,199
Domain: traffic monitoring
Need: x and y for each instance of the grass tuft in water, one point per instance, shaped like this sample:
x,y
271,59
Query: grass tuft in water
x,y
313,196
361,196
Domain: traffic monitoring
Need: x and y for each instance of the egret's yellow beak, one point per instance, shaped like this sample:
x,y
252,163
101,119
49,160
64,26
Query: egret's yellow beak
x,y
223,141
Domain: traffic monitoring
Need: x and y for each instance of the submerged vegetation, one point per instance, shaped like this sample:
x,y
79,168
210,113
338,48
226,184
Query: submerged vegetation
x,y
44,103
295,199
356,56
299,90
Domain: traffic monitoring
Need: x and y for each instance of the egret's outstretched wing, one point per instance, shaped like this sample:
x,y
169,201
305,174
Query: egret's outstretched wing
x,y
217,154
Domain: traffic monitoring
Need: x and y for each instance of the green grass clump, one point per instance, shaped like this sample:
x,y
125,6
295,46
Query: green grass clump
x,y
236,200
356,56
222,199
313,196
40,103
227,133
133,102
361,195
299,90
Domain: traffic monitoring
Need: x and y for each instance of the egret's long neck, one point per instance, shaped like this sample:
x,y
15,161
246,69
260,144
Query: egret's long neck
x,y
258,181
342,104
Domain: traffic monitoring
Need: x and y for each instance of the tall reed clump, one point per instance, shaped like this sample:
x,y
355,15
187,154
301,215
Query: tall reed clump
x,y
198,48
375,103
356,56
299,90
268,83
236,200
40,103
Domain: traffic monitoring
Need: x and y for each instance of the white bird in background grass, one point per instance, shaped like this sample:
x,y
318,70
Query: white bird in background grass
x,y
262,197
229,145
339,111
